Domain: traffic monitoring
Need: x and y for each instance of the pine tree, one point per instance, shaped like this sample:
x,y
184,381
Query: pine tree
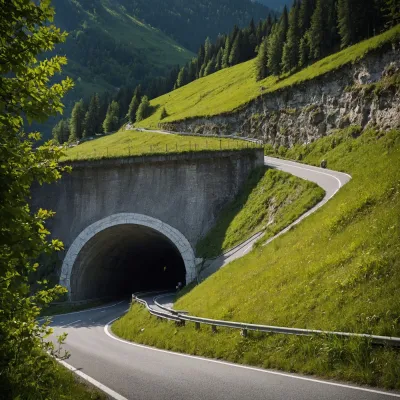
x,y
227,52
276,42
111,122
144,109
391,10
192,69
304,51
234,56
200,60
344,23
133,107
61,131
291,48
164,113
316,33
92,117
262,61
305,14
208,50
77,120
182,79
210,68
218,59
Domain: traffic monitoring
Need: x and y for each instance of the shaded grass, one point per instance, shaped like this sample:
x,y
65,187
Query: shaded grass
x,y
337,270
232,88
55,309
125,143
270,201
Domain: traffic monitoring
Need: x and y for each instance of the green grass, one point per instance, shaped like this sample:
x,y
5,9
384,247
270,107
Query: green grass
x,y
232,88
125,143
69,387
270,201
337,270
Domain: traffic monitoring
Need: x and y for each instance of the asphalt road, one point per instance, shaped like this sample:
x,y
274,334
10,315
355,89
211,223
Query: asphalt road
x,y
139,372
130,371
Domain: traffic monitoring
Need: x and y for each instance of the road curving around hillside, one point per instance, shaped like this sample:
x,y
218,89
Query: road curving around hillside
x,y
127,370
330,181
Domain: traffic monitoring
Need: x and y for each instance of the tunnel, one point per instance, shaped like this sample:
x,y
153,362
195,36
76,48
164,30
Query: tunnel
x,y
122,259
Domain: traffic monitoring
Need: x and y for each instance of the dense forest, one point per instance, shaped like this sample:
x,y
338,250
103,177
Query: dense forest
x,y
311,30
123,43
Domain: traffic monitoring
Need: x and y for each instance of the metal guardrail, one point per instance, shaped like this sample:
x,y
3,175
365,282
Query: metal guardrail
x,y
181,317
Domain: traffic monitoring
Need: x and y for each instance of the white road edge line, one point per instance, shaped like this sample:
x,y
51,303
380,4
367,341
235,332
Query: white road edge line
x,y
71,323
107,332
92,381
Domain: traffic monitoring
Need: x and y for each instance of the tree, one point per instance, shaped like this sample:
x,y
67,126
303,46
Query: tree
x,y
304,51
276,42
182,79
305,14
61,131
291,48
210,68
92,117
391,10
234,56
144,109
208,50
344,23
262,61
26,94
218,60
316,33
133,107
111,123
164,113
227,52
77,120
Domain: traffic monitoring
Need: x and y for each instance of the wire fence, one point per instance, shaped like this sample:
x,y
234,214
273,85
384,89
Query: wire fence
x,y
163,148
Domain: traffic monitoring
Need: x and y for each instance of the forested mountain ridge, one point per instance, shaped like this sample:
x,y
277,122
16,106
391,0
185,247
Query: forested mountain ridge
x,y
276,4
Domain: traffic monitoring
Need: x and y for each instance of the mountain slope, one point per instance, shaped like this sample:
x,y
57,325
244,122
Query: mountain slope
x,y
108,47
232,88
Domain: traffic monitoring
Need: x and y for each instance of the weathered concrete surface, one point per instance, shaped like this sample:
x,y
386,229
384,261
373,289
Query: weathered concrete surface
x,y
184,191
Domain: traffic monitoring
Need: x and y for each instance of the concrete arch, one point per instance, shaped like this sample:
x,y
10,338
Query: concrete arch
x,y
176,238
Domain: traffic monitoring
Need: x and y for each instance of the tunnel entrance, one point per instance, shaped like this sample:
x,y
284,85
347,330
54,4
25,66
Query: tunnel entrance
x,y
122,258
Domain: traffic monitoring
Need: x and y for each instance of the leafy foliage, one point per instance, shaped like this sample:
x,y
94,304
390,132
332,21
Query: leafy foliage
x,y
26,93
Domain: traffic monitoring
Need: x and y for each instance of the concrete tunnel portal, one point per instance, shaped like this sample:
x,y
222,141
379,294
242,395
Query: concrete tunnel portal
x,y
123,254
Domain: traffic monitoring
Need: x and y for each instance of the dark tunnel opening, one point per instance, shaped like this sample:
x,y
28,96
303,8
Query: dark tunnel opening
x,y
124,259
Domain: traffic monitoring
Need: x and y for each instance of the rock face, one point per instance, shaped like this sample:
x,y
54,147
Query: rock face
x,y
310,110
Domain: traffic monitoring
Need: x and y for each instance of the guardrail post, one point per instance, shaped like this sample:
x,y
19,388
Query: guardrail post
x,y
197,326
244,332
213,329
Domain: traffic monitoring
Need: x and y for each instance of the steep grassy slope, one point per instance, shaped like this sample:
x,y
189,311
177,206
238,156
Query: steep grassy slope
x,y
125,143
338,270
234,87
270,201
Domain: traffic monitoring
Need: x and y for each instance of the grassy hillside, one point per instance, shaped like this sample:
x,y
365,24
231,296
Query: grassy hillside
x,y
337,270
125,143
231,88
270,201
